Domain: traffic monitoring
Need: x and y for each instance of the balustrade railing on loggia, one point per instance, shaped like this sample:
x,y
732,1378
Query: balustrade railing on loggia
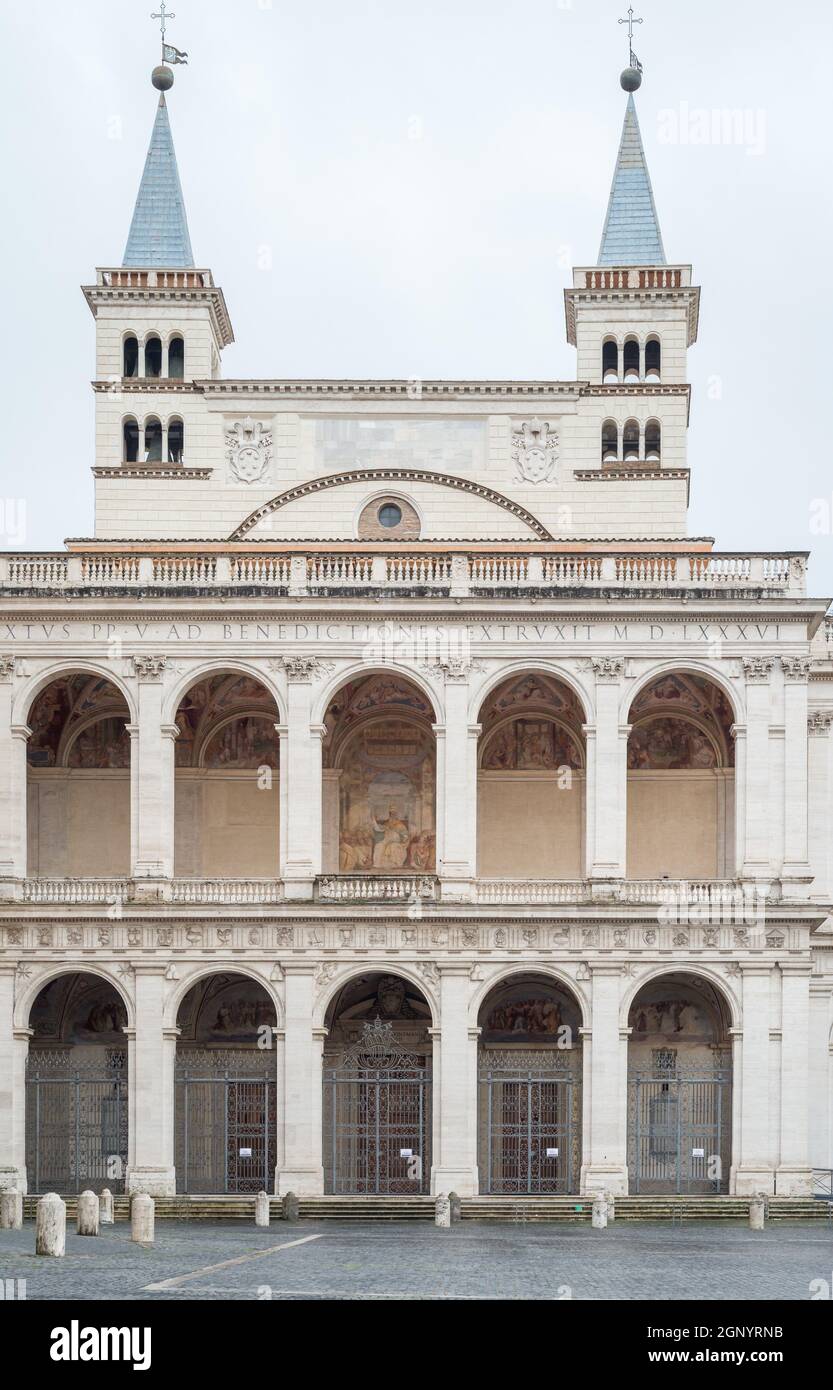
x,y
455,572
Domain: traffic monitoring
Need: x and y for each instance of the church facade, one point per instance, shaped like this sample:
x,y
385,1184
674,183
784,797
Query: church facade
x,y
395,798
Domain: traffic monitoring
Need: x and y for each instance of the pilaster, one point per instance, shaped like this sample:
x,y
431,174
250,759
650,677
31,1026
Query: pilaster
x,y
13,740
14,1045
751,1167
455,1153
152,1057
302,1170
604,1152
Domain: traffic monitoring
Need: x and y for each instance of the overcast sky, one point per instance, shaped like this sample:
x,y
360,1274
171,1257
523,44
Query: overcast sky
x,y
397,190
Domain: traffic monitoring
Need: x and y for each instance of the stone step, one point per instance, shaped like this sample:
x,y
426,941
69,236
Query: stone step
x,y
237,1207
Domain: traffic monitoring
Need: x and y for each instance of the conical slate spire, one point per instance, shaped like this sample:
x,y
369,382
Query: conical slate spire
x,y
631,233
159,230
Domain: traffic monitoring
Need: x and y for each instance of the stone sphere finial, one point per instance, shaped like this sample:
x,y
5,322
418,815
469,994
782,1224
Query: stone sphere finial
x,y
162,78
631,80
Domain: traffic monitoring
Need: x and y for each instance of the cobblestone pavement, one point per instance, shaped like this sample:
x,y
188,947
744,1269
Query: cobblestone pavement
x,y
409,1260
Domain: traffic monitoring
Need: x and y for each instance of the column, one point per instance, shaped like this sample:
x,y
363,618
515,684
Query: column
x,y
753,833
152,1055
751,1168
793,1177
13,789
165,370
821,1074
14,1045
300,783
151,784
795,877
606,809
604,1164
456,788
455,1152
302,1171
819,793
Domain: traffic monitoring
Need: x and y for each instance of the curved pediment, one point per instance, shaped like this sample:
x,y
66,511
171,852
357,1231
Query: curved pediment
x,y
397,479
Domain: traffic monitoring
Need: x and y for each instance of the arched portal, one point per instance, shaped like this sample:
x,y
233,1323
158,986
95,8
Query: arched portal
x,y
76,1087
226,780
530,1088
679,1087
225,1087
377,1088
78,778
379,790
530,788
681,780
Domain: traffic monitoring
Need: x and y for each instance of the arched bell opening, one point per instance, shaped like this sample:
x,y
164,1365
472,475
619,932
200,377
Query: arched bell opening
x,y
679,1087
77,1087
225,1109
377,1113
530,1088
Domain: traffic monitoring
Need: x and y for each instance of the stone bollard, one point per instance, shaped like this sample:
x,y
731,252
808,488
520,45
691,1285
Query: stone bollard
x,y
262,1209
291,1208
11,1209
611,1206
106,1214
442,1210
141,1219
599,1219
86,1219
456,1208
51,1226
757,1212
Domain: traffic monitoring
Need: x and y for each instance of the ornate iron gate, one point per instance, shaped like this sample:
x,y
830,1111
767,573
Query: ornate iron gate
x,y
679,1128
377,1118
530,1121
76,1120
226,1120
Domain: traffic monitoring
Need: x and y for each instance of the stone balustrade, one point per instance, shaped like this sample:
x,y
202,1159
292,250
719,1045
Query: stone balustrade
x,y
679,896
352,888
456,571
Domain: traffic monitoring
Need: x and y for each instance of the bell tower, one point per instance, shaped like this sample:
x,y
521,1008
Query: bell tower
x,y
632,317
161,322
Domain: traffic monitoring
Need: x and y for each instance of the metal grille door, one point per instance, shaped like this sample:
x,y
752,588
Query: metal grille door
x,y
76,1121
377,1118
530,1122
679,1131
225,1121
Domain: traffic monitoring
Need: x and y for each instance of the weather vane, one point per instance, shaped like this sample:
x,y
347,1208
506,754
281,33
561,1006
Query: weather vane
x,y
162,76
630,21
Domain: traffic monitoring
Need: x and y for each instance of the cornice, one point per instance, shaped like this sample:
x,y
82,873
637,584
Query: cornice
x,y
222,605
147,472
374,389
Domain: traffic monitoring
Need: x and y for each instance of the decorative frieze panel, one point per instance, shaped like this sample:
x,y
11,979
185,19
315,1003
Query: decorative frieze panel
x,y
380,940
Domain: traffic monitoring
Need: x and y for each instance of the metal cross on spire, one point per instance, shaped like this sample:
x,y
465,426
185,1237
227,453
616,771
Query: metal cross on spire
x,y
630,21
163,18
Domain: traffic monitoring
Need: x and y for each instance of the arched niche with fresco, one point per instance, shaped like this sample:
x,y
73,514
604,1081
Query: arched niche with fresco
x,y
379,791
530,800
78,798
681,782
227,771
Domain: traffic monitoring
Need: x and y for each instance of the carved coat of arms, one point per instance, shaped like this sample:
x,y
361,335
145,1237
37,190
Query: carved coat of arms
x,y
248,450
535,451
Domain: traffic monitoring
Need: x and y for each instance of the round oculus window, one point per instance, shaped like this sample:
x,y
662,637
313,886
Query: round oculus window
x,y
389,514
